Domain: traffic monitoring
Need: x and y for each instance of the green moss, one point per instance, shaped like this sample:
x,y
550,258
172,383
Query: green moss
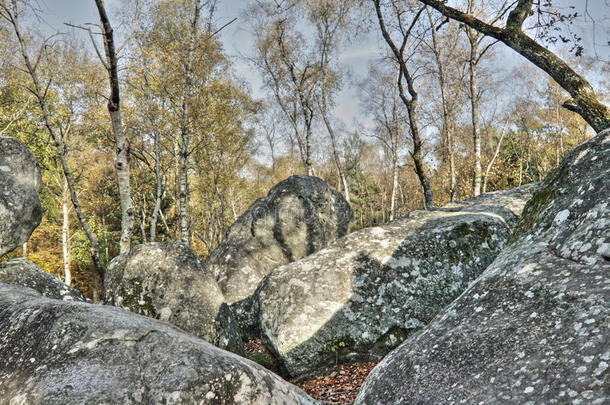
x,y
532,213
136,299
463,230
264,359
337,349
467,238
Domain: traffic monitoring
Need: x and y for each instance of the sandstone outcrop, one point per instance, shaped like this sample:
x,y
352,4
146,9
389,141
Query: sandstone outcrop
x,y
20,183
533,329
299,216
56,352
365,293
24,273
166,281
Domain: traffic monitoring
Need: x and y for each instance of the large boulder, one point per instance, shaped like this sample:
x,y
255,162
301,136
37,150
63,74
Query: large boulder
x,y
58,352
533,329
25,273
365,293
167,282
20,183
299,216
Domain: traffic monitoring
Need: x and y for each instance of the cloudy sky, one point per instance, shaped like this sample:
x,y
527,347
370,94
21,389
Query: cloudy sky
x,y
594,27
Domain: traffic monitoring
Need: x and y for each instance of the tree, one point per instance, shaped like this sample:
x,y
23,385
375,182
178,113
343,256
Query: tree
x,y
123,171
476,53
584,101
290,74
329,17
189,121
443,46
57,131
178,40
405,32
389,129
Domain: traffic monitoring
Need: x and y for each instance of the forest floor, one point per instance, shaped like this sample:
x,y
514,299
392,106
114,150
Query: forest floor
x,y
330,385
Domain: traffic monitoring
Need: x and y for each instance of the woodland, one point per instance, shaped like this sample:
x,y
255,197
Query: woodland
x,y
145,131
304,201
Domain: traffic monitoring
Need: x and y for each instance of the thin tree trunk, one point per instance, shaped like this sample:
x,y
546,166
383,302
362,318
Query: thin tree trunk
x,y
65,233
305,108
418,160
122,144
184,192
475,111
560,133
143,225
493,159
185,132
394,188
308,162
336,157
159,193
447,125
452,171
411,104
447,128
164,221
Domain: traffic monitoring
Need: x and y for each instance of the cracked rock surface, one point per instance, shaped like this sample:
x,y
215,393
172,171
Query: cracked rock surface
x,y
20,183
361,296
55,352
166,281
25,273
534,327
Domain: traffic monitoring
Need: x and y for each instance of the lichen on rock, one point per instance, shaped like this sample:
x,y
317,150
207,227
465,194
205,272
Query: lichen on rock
x,y
24,273
56,352
299,216
167,282
376,286
533,328
20,183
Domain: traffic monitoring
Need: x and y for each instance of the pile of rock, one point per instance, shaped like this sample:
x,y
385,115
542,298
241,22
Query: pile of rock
x,y
534,327
60,350
365,293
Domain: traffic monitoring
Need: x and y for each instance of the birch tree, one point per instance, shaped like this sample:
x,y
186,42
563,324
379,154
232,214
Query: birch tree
x,y
123,172
330,18
383,101
443,48
11,12
584,100
290,75
403,29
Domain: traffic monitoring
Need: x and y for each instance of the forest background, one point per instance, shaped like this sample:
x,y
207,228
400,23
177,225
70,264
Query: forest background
x,y
222,99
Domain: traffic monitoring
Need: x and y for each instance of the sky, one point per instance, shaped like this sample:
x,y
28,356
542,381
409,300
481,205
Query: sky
x,y
593,27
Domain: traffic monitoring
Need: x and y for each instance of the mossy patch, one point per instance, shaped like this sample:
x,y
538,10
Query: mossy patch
x,y
532,213
264,359
136,299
